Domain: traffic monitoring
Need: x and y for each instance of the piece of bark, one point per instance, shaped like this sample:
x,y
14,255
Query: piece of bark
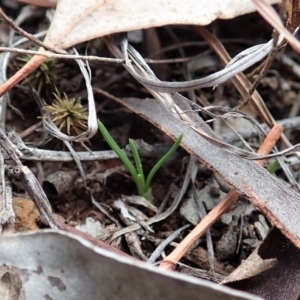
x,y
58,183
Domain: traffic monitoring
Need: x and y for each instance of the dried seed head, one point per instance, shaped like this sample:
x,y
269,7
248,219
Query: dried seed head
x,y
68,114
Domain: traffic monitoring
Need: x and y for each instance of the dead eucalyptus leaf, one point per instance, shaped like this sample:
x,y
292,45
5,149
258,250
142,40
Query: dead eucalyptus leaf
x,y
58,265
78,21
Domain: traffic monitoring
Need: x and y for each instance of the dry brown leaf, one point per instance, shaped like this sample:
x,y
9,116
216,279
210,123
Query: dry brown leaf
x,y
79,21
271,271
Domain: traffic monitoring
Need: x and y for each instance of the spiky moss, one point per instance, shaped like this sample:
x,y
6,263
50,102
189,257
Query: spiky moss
x,y
49,72
68,114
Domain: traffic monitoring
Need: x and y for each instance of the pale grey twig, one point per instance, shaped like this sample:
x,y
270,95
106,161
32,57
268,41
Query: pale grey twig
x,y
290,123
132,239
202,213
160,248
30,183
35,154
105,212
62,56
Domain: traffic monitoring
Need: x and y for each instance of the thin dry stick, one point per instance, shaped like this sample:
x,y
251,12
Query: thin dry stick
x,y
172,259
27,69
30,130
30,65
66,56
24,33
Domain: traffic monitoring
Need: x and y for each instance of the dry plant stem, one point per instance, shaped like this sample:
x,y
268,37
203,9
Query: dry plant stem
x,y
96,58
35,154
267,63
160,248
30,130
270,15
172,259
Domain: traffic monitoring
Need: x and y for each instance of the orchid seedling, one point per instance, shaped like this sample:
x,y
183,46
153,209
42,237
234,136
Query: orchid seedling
x,y
143,184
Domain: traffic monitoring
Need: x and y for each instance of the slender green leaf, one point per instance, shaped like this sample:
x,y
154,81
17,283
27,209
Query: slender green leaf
x,y
136,157
273,167
162,161
114,146
140,183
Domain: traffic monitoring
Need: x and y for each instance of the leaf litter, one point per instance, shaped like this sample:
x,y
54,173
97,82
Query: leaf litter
x,y
265,192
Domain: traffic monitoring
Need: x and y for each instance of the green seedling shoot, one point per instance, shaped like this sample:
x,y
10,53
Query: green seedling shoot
x,y
273,167
143,184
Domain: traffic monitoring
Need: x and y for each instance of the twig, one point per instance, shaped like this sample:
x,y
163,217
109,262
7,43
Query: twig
x,y
171,260
62,56
266,65
35,154
30,183
30,37
246,133
241,62
270,15
160,248
7,214
30,129
270,141
202,213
